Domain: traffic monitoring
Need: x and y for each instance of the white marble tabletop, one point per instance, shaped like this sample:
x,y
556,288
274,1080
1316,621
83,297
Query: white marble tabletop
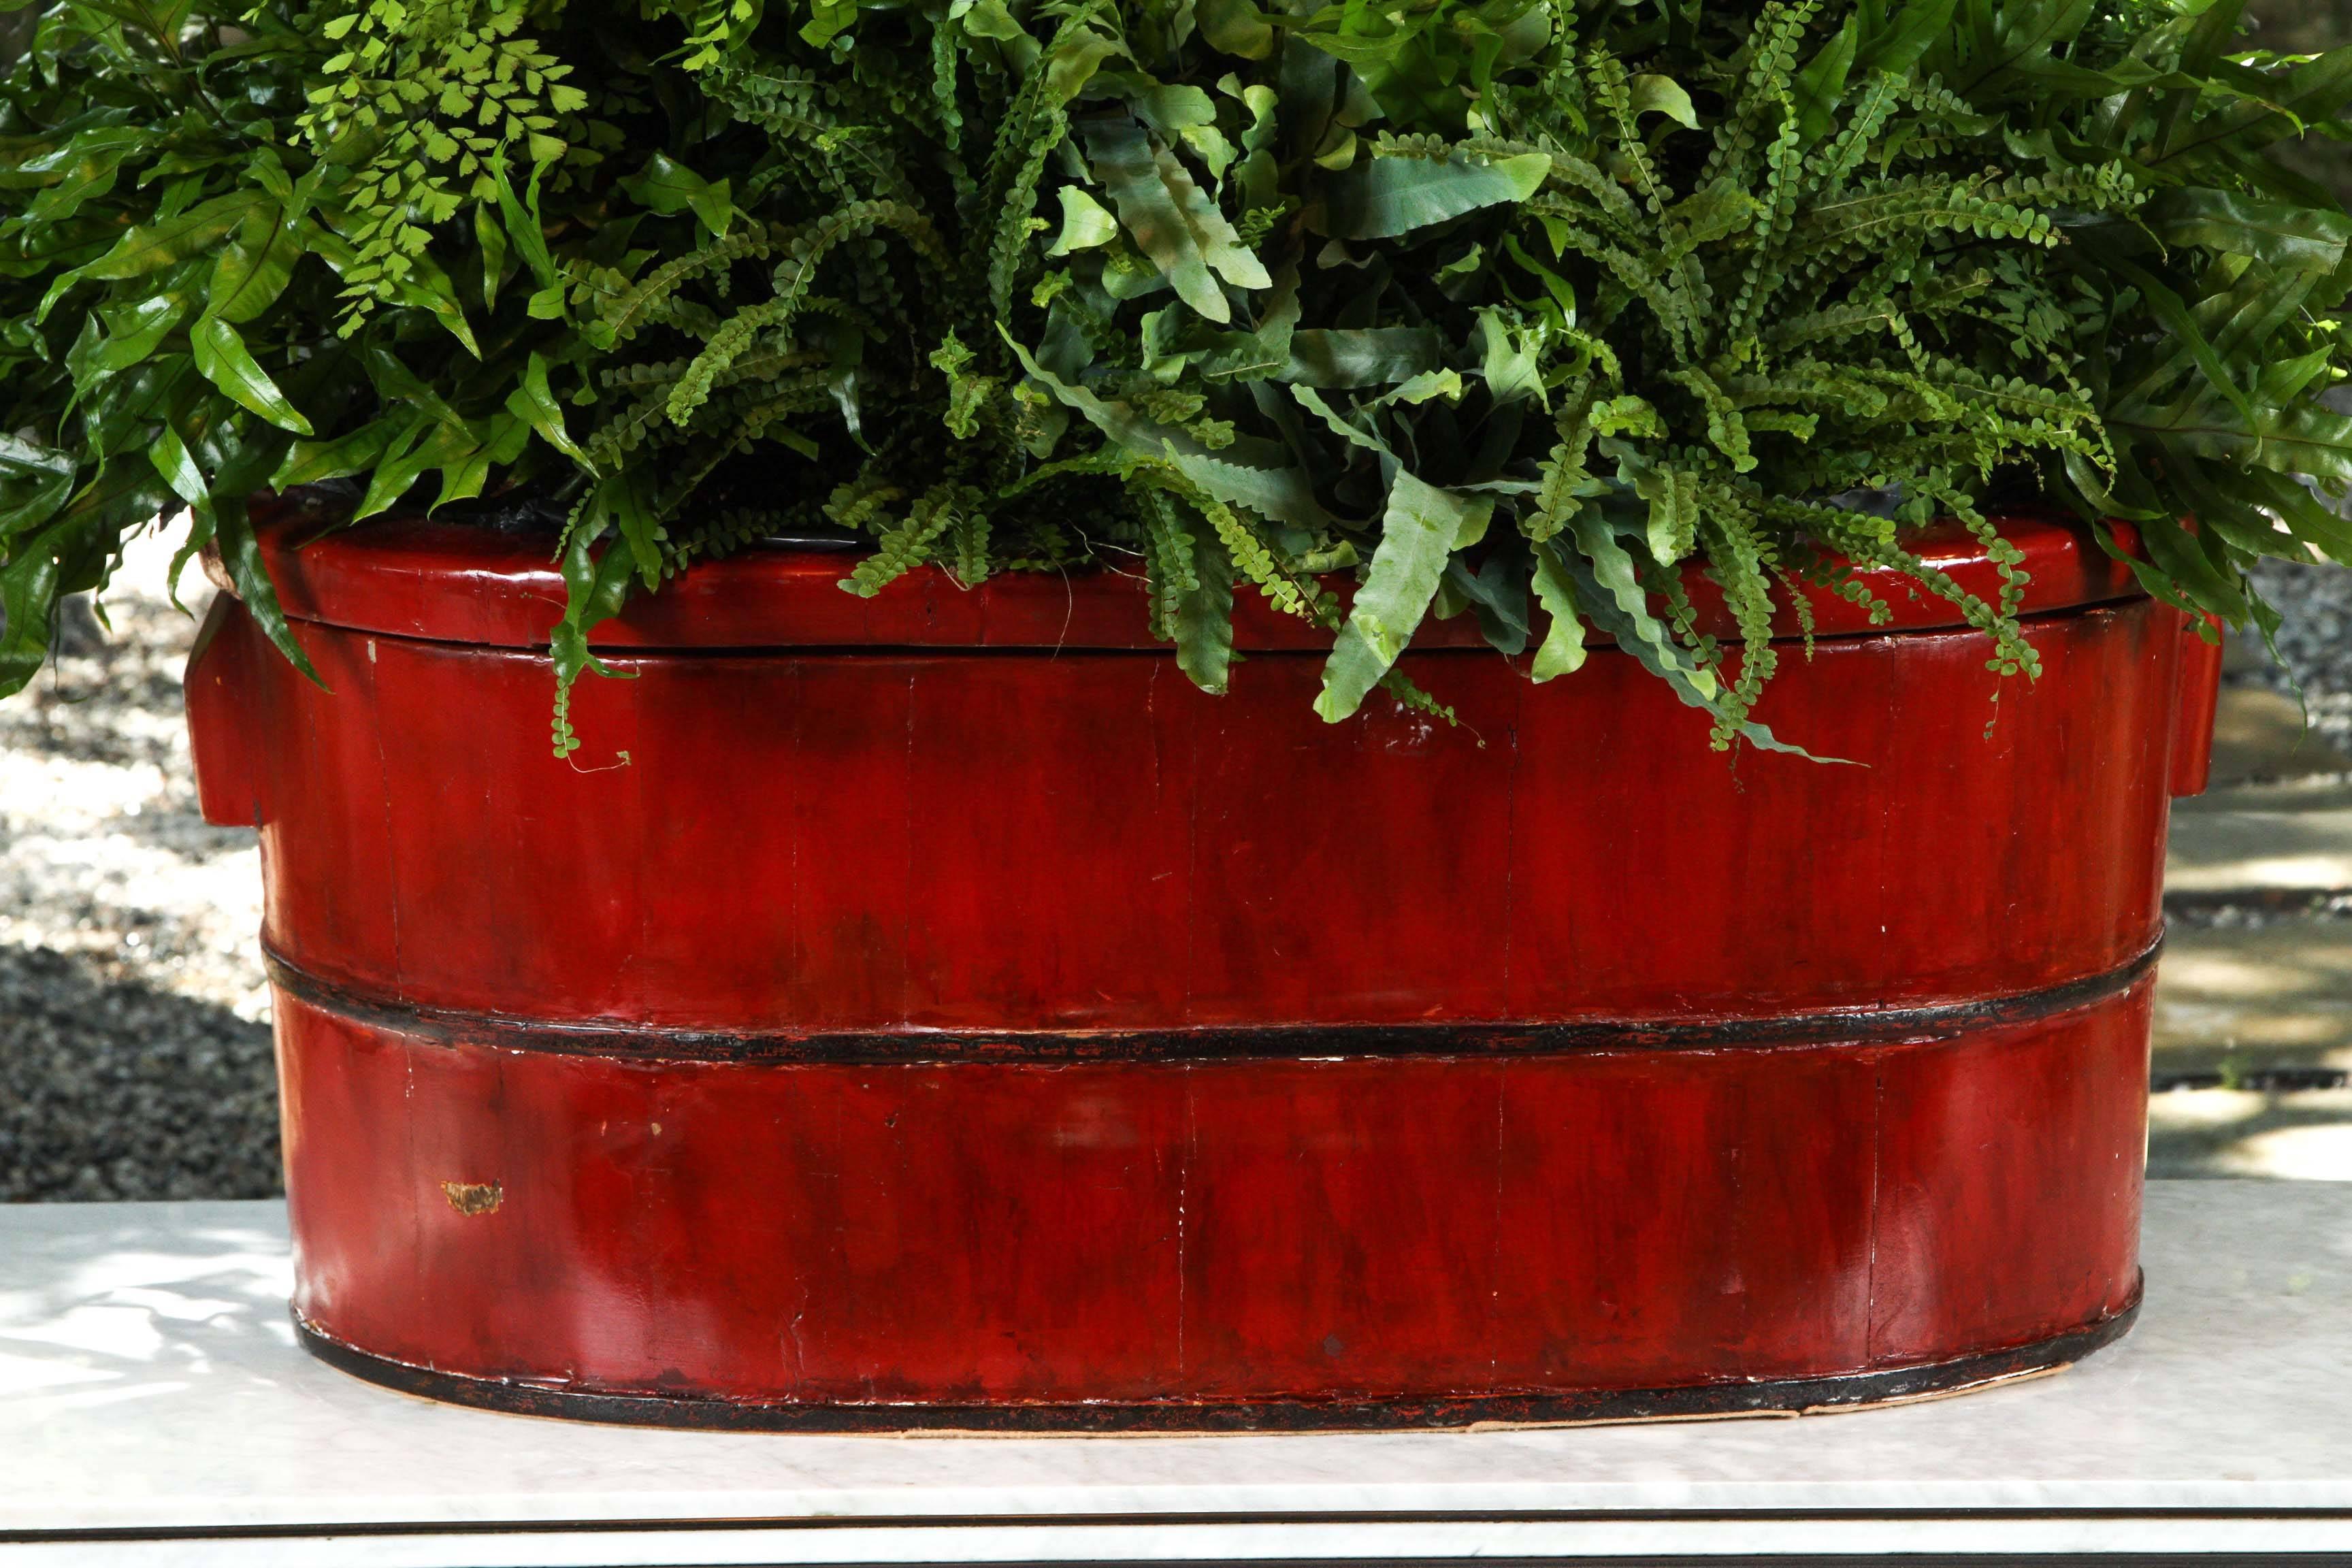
x,y
154,1407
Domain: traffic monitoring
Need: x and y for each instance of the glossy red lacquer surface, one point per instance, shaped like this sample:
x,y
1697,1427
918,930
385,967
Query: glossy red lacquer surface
x,y
938,841
2201,690
916,844
1214,1231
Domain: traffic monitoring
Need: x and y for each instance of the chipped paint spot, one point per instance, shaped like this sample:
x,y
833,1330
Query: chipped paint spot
x,y
473,1197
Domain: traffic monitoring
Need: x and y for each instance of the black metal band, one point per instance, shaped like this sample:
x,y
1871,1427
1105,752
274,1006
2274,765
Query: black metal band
x,y
1842,1391
1856,1025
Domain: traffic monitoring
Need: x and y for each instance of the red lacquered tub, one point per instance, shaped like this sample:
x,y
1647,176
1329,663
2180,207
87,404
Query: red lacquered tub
x,y
934,1012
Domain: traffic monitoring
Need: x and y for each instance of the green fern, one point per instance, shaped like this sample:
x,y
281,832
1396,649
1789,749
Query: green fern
x,y
1544,304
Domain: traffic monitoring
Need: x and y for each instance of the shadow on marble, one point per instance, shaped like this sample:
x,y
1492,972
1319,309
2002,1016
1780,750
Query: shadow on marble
x,y
105,1305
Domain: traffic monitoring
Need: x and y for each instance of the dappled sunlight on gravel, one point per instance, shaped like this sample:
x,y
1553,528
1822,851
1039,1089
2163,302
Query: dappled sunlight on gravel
x,y
2303,1136
134,1047
103,851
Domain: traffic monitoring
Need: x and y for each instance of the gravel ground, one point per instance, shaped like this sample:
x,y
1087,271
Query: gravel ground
x,y
135,1033
2314,643
113,1087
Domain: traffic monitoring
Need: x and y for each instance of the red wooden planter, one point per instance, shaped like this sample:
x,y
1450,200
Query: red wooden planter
x,y
934,1012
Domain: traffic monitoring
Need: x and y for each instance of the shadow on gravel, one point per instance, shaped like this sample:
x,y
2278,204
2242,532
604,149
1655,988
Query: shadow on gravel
x,y
112,1089
2281,1132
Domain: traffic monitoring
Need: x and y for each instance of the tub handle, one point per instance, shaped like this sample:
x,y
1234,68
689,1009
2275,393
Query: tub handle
x,y
222,696
2197,691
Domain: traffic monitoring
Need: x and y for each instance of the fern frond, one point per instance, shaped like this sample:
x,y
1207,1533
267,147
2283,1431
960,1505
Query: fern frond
x,y
792,282
862,503
1616,207
1920,204
969,566
1673,493
627,315
1607,76
1880,97
1784,165
1658,291
1561,494
1169,558
1739,565
1807,382
1764,89
1724,427
910,544
1017,221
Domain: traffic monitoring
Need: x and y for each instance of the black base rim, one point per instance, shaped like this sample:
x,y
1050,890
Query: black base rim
x,y
1785,1396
